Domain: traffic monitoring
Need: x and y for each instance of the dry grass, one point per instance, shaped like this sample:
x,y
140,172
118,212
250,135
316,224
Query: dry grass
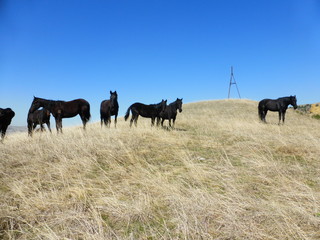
x,y
315,108
220,175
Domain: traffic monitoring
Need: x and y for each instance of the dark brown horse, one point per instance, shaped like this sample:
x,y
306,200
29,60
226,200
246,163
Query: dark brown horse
x,y
170,112
40,117
6,116
109,108
148,111
62,109
276,105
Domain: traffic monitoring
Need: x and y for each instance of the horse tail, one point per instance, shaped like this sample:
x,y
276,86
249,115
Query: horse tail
x,y
86,113
127,113
260,111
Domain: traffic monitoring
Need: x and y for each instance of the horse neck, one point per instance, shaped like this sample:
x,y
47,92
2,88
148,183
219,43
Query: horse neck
x,y
113,103
48,104
158,107
287,101
174,105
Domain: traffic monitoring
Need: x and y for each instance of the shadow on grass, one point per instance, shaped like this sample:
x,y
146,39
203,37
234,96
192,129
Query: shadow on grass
x,y
173,129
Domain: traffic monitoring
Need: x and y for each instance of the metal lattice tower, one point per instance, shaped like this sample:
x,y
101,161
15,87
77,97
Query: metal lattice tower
x,y
233,82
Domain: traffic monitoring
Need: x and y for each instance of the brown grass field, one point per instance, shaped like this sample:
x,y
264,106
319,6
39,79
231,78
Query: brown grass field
x,y
221,174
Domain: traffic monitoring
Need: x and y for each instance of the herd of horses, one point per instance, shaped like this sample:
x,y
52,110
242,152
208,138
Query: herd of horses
x,y
160,112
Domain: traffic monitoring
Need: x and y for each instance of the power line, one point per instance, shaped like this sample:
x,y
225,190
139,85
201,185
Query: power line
x,y
233,82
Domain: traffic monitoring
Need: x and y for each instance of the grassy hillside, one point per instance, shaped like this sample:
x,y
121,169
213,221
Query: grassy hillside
x,y
312,110
220,175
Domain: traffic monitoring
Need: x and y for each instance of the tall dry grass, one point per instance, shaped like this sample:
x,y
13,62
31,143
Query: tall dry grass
x,y
221,174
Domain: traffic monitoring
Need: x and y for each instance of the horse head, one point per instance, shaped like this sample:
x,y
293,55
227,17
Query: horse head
x,y
179,104
6,113
113,97
293,101
36,104
163,105
10,113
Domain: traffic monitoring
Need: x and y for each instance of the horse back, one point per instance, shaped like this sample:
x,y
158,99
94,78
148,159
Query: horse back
x,y
105,104
80,101
71,108
264,101
144,110
270,104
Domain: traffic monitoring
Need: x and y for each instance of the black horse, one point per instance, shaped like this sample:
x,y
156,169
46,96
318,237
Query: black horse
x,y
38,117
6,116
62,109
109,108
148,111
170,112
277,105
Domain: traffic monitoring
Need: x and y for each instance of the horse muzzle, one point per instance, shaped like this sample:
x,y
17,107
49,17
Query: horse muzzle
x,y
180,110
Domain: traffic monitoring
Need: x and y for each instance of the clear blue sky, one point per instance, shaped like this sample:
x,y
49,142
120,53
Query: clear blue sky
x,y
153,49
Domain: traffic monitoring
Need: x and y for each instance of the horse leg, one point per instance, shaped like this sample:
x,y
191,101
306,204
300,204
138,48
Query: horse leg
x,y
48,125
103,120
59,124
109,121
158,121
84,120
152,121
173,122
162,122
283,116
30,128
115,120
41,127
134,117
131,120
264,115
280,115
136,120
3,133
169,122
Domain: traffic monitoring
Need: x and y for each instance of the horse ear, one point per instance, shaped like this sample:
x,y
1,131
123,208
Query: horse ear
x,y
110,92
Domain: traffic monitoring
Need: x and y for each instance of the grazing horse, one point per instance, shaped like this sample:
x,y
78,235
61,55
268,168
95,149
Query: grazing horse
x,y
170,112
62,109
6,116
38,117
277,105
109,108
148,111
